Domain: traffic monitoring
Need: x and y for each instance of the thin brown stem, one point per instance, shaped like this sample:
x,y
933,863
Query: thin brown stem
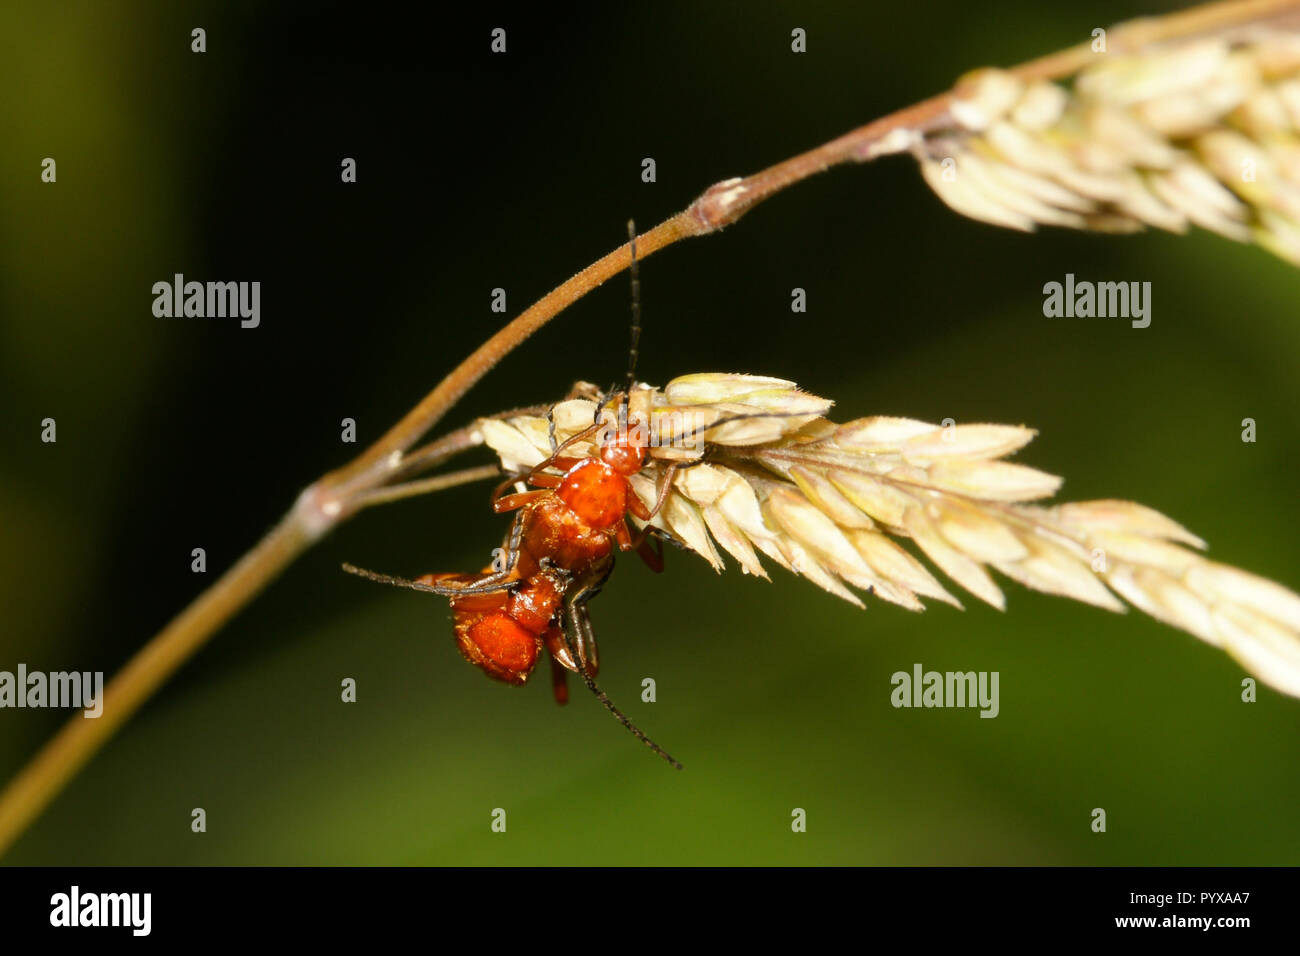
x,y
56,763
339,494
436,452
426,486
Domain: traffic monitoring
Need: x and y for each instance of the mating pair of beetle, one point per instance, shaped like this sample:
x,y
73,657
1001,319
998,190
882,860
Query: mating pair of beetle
x,y
558,555
561,547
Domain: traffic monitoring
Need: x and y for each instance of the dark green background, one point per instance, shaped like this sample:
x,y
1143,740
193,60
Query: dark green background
x,y
479,171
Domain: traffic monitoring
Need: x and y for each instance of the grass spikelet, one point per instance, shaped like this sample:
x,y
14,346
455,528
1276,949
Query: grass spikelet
x,y
1202,131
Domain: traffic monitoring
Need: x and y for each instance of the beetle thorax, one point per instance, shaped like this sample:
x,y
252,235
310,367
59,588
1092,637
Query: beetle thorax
x,y
595,492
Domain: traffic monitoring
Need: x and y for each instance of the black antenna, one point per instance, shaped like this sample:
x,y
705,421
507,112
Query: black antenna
x,y
492,584
579,619
635,335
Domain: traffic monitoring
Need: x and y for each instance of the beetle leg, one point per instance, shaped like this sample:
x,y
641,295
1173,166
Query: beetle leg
x,y
652,555
577,437
559,678
665,486
539,479
550,429
581,639
661,535
638,508
576,636
518,500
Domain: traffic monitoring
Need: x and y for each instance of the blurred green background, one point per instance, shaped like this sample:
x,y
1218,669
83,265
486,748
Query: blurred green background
x,y
476,172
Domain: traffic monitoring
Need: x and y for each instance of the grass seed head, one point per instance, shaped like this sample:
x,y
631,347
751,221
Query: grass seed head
x,y
1204,131
836,503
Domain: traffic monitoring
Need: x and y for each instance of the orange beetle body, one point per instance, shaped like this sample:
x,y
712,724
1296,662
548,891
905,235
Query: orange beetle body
x,y
503,632
566,532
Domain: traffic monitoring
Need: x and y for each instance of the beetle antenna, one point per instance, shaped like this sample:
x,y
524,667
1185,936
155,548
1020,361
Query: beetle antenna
x,y
489,584
635,335
579,619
